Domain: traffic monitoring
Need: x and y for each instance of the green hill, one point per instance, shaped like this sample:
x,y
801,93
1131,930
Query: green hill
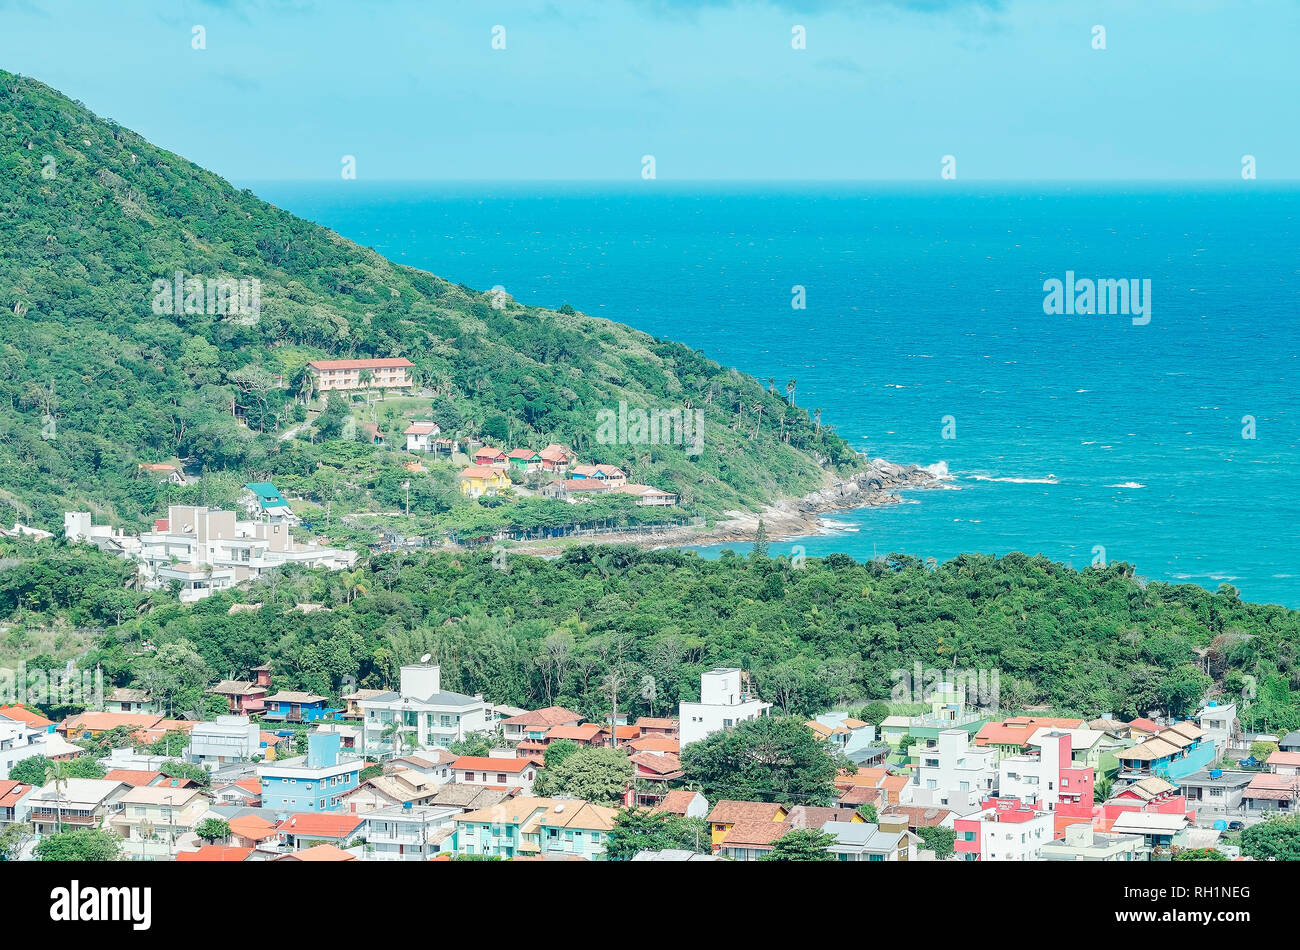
x,y
93,381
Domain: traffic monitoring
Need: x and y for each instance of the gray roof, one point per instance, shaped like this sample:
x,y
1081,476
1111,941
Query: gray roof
x,y
863,835
469,797
436,699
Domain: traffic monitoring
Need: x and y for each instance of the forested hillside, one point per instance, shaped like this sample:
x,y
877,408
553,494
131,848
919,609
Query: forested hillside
x,y
93,381
831,631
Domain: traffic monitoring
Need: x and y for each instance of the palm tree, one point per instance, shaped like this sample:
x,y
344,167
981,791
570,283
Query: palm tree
x,y
817,419
790,388
758,408
57,773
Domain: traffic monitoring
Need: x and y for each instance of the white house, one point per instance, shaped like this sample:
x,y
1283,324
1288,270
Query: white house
x,y
416,833
426,715
725,701
420,436
76,803
1219,723
225,739
20,741
953,773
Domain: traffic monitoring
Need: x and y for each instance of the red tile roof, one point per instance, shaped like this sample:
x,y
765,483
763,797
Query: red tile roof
x,y
481,763
550,716
136,778
676,802
215,852
381,363
23,714
11,791
320,825
583,733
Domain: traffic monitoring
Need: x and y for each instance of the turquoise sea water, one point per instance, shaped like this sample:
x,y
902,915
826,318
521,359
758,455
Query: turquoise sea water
x,y
924,302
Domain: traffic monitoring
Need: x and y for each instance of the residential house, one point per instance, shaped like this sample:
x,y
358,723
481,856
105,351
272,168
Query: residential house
x,y
919,816
296,706
136,778
1004,829
611,475
1219,723
1012,736
308,829
478,481
76,803
201,550
88,725
1269,795
1172,753
1156,829
535,724
556,458
574,490
751,840
726,814
420,714
25,715
14,804
1288,743
523,826
651,726
243,697
354,699
1215,794
223,740
383,373
421,435
414,833
684,803
648,496
124,700
726,700
524,460
651,774
489,457
264,503
953,773
515,775
867,841
398,787
1048,776
1284,763
152,819
253,831
315,782
1082,842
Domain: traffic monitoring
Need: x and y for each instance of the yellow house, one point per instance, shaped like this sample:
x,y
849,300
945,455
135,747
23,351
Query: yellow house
x,y
479,480
725,815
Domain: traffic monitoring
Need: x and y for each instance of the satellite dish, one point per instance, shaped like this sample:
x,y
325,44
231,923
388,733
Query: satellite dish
x,y
426,658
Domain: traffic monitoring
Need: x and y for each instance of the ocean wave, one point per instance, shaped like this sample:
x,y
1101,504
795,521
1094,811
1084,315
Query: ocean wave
x,y
1049,480
1127,485
938,470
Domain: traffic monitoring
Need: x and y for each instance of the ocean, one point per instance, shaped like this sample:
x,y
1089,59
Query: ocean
x,y
1171,443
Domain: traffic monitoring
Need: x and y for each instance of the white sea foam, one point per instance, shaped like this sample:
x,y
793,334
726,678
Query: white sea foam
x,y
1049,480
1127,485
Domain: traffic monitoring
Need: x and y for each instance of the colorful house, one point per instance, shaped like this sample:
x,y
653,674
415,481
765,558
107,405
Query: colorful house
x,y
726,815
490,457
317,781
611,475
292,706
556,458
524,826
479,481
524,460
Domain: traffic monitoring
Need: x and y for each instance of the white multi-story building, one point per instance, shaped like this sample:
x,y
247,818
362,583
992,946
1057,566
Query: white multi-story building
x,y
954,774
725,701
225,739
19,741
1049,777
207,549
1005,829
416,833
427,717
1219,723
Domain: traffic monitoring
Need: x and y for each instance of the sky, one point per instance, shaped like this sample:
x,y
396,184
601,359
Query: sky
x,y
1012,90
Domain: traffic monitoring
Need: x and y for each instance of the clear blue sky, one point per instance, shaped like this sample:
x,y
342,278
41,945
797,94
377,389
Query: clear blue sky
x,y
712,89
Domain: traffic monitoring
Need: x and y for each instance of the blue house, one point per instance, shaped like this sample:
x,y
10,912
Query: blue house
x,y
314,782
289,706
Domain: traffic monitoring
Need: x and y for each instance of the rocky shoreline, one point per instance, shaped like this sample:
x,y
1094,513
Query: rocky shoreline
x,y
879,485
